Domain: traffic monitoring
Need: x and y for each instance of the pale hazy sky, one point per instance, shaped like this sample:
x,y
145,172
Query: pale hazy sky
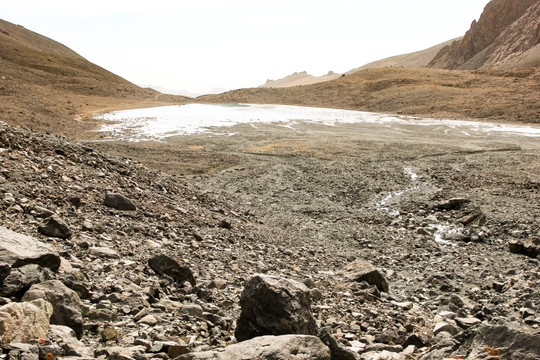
x,y
197,45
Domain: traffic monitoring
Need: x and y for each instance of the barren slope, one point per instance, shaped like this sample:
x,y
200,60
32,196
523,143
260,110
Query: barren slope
x,y
506,29
45,85
416,59
503,95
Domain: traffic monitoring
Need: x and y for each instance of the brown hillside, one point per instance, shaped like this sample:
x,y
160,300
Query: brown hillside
x,y
490,95
416,59
46,86
505,29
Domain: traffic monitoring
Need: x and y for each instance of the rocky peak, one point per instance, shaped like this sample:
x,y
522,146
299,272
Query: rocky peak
x,y
476,46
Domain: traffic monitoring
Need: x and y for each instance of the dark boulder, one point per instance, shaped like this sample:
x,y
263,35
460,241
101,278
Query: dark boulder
x,y
119,202
164,265
361,270
20,279
274,306
55,227
529,247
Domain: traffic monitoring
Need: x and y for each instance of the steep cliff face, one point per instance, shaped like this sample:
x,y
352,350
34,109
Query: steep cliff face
x,y
506,29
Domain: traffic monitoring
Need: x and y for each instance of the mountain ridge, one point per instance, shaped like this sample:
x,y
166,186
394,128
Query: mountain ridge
x,y
505,29
48,87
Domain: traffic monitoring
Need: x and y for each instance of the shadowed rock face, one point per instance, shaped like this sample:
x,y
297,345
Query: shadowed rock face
x,y
494,27
274,306
164,265
18,250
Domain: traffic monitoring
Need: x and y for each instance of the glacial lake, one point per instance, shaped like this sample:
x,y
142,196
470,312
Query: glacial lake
x,y
158,123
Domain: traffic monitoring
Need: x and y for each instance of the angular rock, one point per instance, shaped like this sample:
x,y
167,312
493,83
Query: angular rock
x,y
164,265
66,303
466,323
22,351
148,320
442,326
55,227
475,218
495,342
104,252
451,204
337,351
65,336
192,309
24,322
361,270
17,250
414,340
20,279
529,247
290,347
274,306
174,351
118,352
119,202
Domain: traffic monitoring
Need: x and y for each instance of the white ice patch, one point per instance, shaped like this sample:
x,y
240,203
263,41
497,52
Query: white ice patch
x,y
382,205
444,231
161,122
411,173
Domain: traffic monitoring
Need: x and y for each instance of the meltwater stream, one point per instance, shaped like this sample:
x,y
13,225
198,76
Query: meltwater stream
x,y
161,122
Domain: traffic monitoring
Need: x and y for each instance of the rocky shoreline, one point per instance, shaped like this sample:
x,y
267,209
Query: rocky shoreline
x,y
140,264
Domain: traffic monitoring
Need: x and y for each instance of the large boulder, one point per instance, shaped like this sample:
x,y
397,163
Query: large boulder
x,y
55,227
20,279
164,265
290,347
362,270
66,303
274,306
493,342
24,322
17,250
119,201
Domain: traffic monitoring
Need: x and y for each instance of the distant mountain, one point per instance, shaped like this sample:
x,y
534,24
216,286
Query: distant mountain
x,y
163,90
187,93
506,35
299,78
416,59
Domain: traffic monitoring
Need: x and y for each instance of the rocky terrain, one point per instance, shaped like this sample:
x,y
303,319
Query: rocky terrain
x,y
388,252
505,35
277,242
